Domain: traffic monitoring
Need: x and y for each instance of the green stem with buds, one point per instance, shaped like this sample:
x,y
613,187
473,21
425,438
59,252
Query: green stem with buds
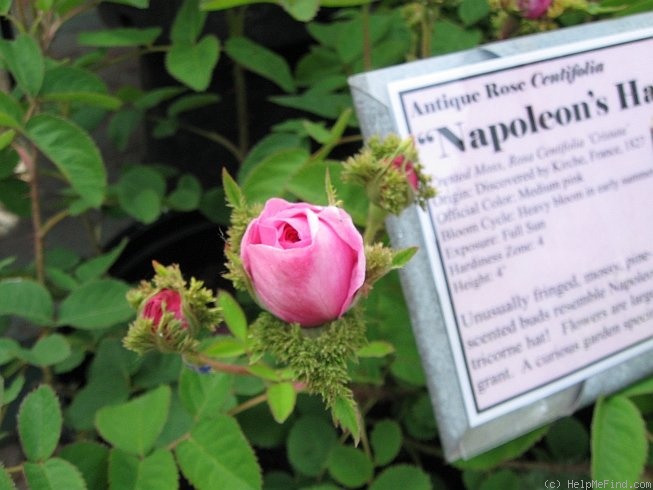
x,y
375,222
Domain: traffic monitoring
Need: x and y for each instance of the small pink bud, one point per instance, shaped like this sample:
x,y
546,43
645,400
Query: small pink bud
x,y
165,300
533,9
406,166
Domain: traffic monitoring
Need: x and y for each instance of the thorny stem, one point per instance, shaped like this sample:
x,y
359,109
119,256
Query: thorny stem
x,y
375,220
427,18
53,221
28,156
252,402
178,441
223,367
236,23
211,136
367,39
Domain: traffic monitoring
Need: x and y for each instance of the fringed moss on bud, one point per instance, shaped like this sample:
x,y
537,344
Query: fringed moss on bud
x,y
241,215
391,174
379,263
318,356
171,314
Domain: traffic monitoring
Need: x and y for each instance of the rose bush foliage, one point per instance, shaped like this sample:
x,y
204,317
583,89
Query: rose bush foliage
x,y
105,417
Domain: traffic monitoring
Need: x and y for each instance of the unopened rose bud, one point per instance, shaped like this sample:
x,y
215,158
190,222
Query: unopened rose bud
x,y
164,301
305,263
533,9
404,165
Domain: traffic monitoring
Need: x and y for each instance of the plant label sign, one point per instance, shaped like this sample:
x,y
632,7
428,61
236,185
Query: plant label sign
x,y
540,240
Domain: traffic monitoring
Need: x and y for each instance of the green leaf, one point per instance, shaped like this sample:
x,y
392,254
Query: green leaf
x,y
108,384
386,440
234,316
139,4
317,131
27,299
505,452
644,387
402,476
472,11
73,152
61,279
135,425
39,423
224,4
224,347
309,445
619,443
188,23
191,102
123,37
153,98
232,191
6,482
503,480
568,440
5,5
271,176
122,125
44,4
178,425
376,348
24,59
187,194
350,466
214,207
205,396
301,10
140,193
269,145
260,60
47,351
54,474
157,471
346,415
6,137
324,104
217,455
448,37
14,195
193,64
401,257
11,113
281,400
92,460
8,350
12,391
385,309
96,267
96,304
77,86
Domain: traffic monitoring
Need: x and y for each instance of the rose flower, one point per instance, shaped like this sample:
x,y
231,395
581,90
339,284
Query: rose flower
x,y
305,262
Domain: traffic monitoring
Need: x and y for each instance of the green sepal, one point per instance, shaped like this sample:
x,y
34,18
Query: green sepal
x,y
318,356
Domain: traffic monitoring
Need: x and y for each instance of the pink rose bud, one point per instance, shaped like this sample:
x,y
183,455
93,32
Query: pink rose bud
x,y
165,300
532,9
406,166
305,262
